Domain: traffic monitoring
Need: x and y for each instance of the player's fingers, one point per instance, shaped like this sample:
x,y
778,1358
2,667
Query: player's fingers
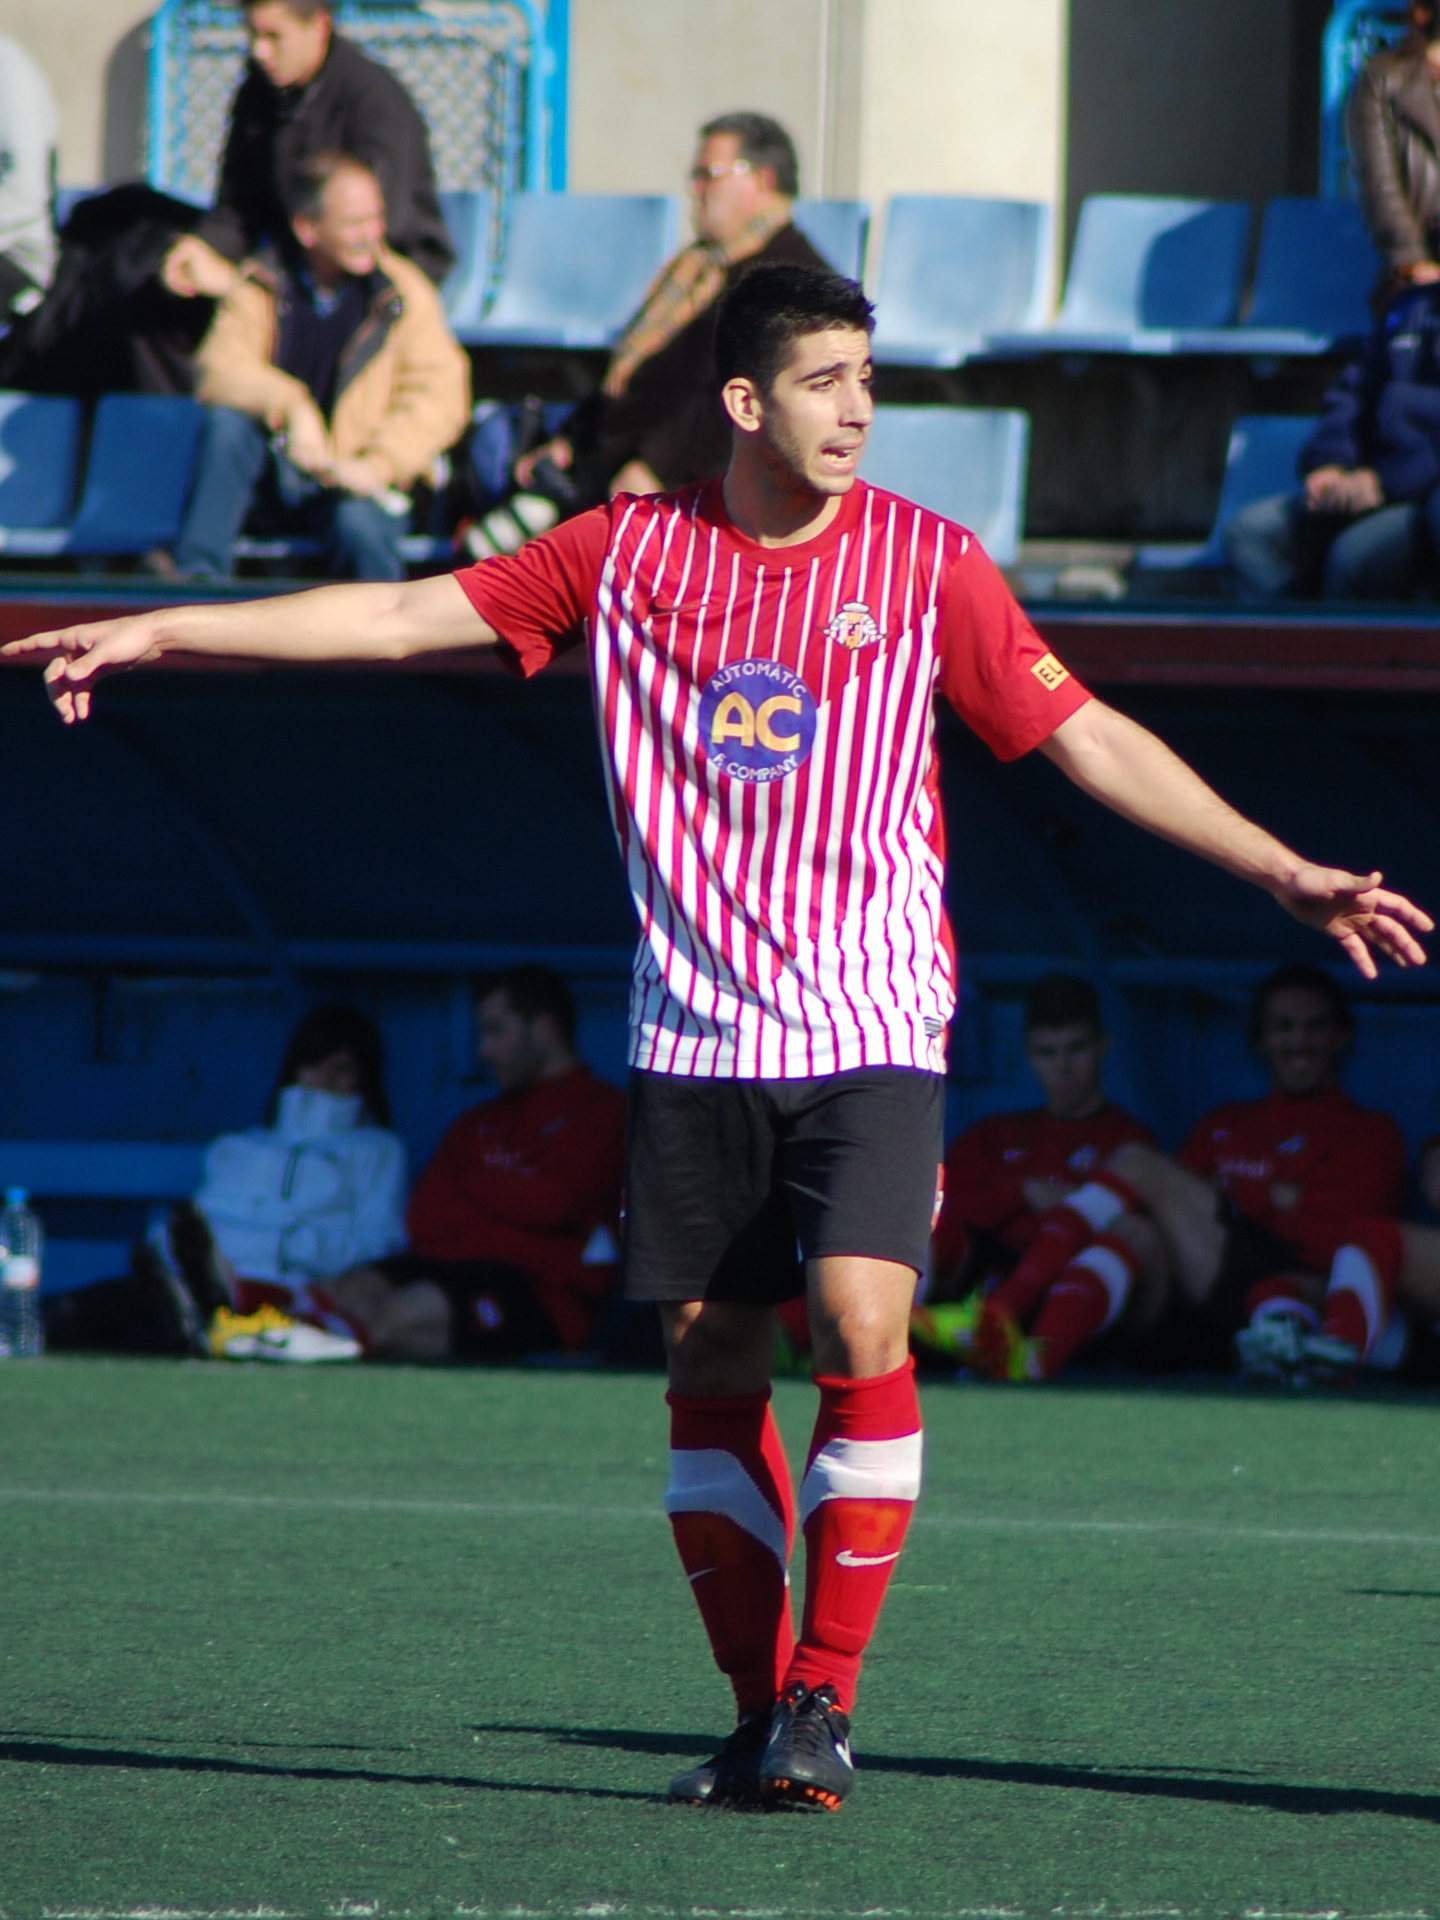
x,y
1360,954
1401,908
1396,940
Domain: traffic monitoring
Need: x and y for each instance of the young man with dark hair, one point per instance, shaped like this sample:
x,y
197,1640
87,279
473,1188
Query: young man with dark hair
x,y
765,652
512,1222
1006,1171
1254,1208
309,90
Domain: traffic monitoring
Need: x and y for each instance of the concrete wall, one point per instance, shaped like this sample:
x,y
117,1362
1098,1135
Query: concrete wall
x,y
93,53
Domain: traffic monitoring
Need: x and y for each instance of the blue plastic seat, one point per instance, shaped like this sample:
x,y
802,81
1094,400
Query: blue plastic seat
x,y
837,229
467,285
1145,270
1264,449
577,265
39,455
137,478
965,462
1313,278
955,269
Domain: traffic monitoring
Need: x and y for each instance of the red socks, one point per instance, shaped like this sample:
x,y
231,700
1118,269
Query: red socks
x,y
1275,1299
1062,1233
1362,1284
861,1483
733,1514
1089,1296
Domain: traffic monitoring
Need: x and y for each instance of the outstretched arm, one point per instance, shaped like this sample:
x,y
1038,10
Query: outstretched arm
x,y
1115,761
379,621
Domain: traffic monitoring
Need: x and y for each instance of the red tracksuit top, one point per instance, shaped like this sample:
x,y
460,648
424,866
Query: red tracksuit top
x,y
987,1164
1347,1160
527,1179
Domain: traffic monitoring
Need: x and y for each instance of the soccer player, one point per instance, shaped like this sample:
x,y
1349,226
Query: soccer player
x,y
1256,1208
1006,1171
765,649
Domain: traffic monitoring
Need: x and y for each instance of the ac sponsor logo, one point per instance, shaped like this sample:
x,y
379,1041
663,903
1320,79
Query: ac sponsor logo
x,y
757,720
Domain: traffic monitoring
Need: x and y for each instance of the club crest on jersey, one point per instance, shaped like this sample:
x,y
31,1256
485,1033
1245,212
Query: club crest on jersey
x,y
757,720
853,627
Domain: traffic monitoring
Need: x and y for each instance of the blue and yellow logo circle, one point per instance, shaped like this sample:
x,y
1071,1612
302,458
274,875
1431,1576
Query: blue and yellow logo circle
x,y
757,720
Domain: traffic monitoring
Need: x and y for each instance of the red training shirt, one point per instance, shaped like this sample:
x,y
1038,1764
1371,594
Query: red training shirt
x,y
766,716
1347,1160
987,1165
527,1179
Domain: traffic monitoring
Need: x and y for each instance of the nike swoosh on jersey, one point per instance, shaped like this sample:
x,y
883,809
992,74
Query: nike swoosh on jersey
x,y
693,1577
846,1558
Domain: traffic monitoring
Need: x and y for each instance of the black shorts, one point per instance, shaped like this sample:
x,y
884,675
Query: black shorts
x,y
495,1312
731,1185
1202,1334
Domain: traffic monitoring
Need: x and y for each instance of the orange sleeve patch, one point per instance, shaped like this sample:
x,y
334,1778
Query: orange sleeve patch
x,y
1049,671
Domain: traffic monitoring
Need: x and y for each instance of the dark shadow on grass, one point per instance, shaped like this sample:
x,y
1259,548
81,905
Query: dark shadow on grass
x,y
52,1753
1155,1783
1397,1593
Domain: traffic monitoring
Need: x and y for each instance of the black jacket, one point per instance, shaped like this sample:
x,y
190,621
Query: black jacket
x,y
353,105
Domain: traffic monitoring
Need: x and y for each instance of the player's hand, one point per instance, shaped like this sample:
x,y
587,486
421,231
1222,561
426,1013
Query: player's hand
x,y
1041,1195
558,452
359,476
1357,911
193,267
307,441
78,656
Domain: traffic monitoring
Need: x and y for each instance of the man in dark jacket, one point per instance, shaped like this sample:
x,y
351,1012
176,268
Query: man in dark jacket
x,y
657,421
1365,524
308,91
1393,122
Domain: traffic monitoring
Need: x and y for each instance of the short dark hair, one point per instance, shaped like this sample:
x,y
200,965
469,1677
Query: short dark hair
x,y
302,9
1063,1000
336,1027
763,143
532,988
769,308
1299,976
306,184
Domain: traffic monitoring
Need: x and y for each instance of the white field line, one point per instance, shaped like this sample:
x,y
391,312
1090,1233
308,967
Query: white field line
x,y
637,1910
927,1518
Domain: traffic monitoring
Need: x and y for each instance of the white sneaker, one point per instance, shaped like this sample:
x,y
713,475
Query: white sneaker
x,y
271,1335
1270,1349
1326,1357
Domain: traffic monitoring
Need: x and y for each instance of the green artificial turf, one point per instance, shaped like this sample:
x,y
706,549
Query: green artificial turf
x,y
391,1641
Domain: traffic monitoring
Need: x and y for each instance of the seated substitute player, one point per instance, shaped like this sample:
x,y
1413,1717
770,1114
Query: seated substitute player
x,y
1005,1172
765,651
510,1223
1252,1212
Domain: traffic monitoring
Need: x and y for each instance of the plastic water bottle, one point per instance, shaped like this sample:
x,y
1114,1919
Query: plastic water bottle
x,y
21,1242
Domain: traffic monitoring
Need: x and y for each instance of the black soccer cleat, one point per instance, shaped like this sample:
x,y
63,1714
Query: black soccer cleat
x,y
807,1763
731,1777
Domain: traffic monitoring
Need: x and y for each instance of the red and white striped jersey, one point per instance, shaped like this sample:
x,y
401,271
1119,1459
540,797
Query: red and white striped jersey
x,y
767,725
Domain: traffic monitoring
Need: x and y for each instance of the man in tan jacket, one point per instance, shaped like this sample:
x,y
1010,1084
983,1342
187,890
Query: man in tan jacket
x,y
332,382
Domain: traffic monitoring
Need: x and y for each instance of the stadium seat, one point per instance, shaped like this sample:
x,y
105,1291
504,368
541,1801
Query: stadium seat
x,y
838,229
965,462
137,478
1264,448
1312,282
954,269
39,454
1143,271
467,285
576,267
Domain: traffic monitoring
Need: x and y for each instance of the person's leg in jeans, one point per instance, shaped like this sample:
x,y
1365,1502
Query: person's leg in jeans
x,y
233,452
362,540
1378,557
1274,545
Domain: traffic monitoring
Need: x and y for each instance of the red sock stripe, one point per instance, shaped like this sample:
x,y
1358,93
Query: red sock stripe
x,y
884,1407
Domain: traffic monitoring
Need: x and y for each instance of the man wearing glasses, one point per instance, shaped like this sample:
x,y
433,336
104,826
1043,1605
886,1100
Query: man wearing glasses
x,y
657,422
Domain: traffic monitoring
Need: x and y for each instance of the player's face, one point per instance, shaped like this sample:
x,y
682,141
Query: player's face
x,y
1301,1041
1067,1061
726,190
347,236
509,1044
814,420
288,50
338,1072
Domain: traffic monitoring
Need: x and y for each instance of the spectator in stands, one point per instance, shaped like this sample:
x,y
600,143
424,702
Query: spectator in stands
x,y
1004,1173
1394,130
657,421
239,1271
511,1223
332,378
1365,523
307,91
1255,1208
27,180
